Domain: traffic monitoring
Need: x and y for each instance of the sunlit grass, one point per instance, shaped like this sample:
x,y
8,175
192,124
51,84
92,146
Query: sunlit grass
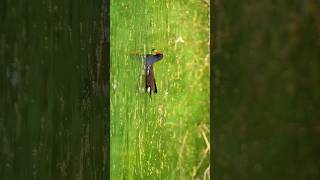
x,y
166,137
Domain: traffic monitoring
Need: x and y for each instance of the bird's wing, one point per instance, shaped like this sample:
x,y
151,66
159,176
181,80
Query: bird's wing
x,y
155,86
150,81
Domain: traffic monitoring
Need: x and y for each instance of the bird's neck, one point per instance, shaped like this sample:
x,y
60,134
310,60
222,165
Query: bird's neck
x,y
159,57
153,58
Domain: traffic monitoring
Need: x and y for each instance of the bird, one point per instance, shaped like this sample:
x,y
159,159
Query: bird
x,y
155,56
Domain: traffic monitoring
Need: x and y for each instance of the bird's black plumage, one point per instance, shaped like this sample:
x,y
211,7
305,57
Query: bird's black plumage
x,y
150,80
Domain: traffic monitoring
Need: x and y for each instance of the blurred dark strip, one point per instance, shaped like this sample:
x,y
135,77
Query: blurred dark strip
x,y
54,97
266,89
107,83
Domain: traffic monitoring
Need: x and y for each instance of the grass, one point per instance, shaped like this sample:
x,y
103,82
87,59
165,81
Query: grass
x,y
166,137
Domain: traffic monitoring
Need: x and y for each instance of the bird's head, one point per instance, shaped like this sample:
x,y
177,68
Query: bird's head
x,y
155,52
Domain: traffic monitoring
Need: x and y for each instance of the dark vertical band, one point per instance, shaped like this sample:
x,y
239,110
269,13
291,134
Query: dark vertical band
x,y
212,49
107,85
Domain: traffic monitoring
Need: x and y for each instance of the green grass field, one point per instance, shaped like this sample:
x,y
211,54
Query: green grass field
x,y
166,137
